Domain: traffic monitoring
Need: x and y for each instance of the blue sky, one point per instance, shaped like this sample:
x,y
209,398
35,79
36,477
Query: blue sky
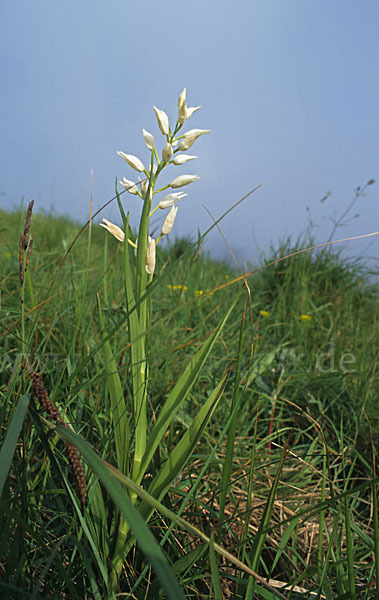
x,y
289,89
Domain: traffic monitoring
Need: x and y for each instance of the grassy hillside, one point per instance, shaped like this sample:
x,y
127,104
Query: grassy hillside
x,y
281,472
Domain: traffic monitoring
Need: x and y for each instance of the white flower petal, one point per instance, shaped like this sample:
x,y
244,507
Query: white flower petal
x,y
129,185
149,139
169,220
115,230
190,137
133,161
191,110
162,119
150,256
167,152
186,112
183,180
170,199
180,159
182,98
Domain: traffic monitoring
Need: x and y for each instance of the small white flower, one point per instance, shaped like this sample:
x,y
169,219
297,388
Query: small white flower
x,y
180,159
190,138
170,199
133,161
182,113
115,230
130,186
169,220
191,110
182,98
162,119
149,139
186,112
167,152
150,256
183,180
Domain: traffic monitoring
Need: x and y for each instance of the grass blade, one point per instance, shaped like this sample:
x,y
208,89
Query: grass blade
x,y
144,537
9,445
119,415
216,584
181,391
183,450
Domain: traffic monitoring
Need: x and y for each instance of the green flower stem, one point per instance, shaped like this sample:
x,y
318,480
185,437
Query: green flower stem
x,y
139,338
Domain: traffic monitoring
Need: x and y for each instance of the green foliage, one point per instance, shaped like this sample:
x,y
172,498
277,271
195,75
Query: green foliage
x,y
259,464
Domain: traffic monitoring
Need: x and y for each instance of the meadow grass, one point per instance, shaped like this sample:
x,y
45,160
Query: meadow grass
x,y
289,452
174,428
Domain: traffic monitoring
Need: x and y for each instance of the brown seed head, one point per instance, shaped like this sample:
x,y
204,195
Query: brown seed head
x,y
28,220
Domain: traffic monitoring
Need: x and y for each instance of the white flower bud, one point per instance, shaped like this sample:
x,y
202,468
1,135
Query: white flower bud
x,y
190,138
115,230
170,199
167,152
191,110
182,113
182,98
180,159
150,256
169,220
130,186
185,113
162,119
183,180
132,161
149,139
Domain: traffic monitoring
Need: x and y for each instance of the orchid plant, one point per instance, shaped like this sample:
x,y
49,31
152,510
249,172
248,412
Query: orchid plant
x,y
172,153
136,441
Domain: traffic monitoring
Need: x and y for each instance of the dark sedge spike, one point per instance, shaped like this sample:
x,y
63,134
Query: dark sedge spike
x,y
28,255
77,467
72,453
28,220
43,397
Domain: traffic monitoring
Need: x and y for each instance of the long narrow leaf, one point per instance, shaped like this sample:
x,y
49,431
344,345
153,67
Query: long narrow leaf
x,y
9,445
119,415
183,450
180,392
145,538
261,534
215,575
